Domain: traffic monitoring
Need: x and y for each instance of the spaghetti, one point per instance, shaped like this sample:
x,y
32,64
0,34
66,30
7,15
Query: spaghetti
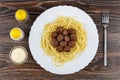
x,y
60,58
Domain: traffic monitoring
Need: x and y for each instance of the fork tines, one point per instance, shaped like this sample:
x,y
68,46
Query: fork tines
x,y
105,16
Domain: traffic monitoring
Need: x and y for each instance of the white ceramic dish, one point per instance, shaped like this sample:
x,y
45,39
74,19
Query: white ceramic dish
x,y
46,61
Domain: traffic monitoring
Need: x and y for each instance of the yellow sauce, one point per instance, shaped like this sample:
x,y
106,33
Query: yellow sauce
x,y
16,33
21,14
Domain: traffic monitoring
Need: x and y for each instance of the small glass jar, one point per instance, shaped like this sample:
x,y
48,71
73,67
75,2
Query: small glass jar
x,y
17,34
21,15
18,55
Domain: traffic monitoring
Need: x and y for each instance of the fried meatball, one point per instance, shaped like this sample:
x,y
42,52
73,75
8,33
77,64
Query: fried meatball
x,y
63,43
65,32
67,48
71,31
54,43
54,34
60,37
67,38
73,37
59,48
71,43
59,29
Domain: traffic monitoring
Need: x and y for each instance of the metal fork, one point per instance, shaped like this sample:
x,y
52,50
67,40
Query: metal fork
x,y
105,22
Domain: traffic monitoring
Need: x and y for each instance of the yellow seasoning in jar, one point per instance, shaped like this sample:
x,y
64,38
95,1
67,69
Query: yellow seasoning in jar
x,y
21,15
16,34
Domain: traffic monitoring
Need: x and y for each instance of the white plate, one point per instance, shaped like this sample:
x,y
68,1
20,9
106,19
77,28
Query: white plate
x,y
46,61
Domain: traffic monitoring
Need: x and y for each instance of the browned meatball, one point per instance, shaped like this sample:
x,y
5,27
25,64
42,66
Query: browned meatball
x,y
59,29
63,43
54,34
67,38
71,43
60,37
54,43
65,32
73,37
59,48
72,31
67,49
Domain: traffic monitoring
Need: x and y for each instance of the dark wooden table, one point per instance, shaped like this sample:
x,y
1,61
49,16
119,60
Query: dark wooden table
x,y
32,71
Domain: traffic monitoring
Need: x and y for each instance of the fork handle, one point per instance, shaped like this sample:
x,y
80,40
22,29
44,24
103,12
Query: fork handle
x,y
105,47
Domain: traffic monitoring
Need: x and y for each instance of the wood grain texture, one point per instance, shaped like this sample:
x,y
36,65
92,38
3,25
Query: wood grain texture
x,y
30,70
